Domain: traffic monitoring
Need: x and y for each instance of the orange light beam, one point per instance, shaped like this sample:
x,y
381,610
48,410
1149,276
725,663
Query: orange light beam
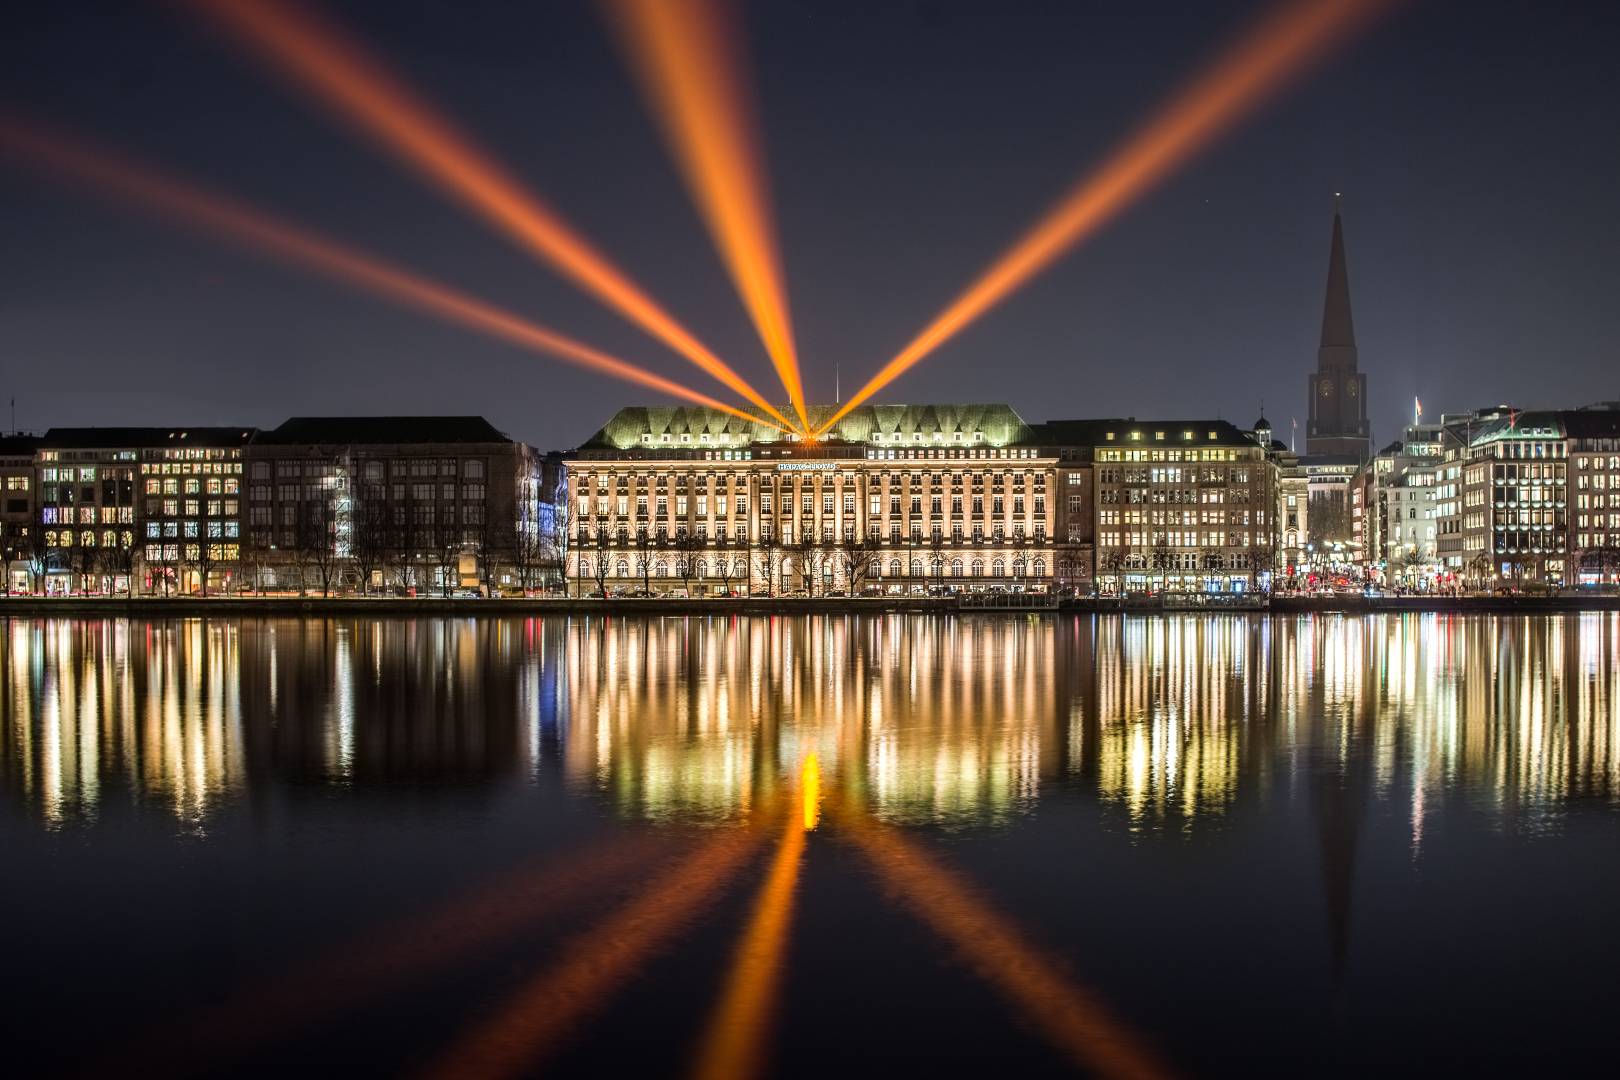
x,y
733,1047
690,60
1072,1018
194,206
593,966
347,977
1279,49
326,63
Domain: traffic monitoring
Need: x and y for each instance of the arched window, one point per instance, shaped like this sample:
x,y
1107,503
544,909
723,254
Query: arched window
x,y
895,568
978,568
1065,568
956,568
702,568
660,568
916,568
998,568
584,567
1039,568
623,568
875,569
1018,568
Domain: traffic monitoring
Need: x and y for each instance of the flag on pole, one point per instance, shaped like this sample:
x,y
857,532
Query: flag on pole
x,y
1419,405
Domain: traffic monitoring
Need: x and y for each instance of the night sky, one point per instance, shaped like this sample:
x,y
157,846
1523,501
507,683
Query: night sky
x,y
1477,146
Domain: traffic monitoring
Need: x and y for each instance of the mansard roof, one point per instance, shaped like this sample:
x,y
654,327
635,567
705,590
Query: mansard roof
x,y
999,424
382,431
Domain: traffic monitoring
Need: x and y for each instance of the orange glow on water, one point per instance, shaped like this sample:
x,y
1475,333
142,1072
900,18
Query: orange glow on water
x,y
194,206
734,1047
1278,50
1073,1018
690,60
349,977
810,791
318,57
594,965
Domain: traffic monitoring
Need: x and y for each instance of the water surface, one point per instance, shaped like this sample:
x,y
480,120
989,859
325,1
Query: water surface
x,y
1257,846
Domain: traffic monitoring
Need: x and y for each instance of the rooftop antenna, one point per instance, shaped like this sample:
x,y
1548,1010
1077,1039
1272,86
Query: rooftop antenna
x,y
838,395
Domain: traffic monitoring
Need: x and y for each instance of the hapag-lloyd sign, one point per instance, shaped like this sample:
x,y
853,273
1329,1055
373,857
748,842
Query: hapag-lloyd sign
x,y
806,466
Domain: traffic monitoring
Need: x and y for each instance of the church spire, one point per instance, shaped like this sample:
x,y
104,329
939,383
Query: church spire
x,y
1338,332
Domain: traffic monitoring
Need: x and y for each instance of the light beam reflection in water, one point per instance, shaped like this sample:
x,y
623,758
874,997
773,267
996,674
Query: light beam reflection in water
x,y
929,726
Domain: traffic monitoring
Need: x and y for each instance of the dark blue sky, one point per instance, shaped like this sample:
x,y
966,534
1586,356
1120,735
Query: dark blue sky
x,y
1477,146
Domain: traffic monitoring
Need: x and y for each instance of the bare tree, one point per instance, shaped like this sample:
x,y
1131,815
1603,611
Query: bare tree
x,y
120,559
1114,561
724,567
1162,557
447,548
858,553
1604,560
769,560
204,556
643,547
803,553
315,545
369,534
601,564
687,546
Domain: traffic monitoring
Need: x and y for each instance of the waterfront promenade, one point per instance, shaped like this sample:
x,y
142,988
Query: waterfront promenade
x,y
292,606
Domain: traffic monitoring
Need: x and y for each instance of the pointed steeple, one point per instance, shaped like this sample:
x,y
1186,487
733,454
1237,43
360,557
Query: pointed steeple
x,y
1338,391
1338,331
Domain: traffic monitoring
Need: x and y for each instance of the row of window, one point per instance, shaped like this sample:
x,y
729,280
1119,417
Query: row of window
x,y
171,553
156,530
1131,538
664,568
86,515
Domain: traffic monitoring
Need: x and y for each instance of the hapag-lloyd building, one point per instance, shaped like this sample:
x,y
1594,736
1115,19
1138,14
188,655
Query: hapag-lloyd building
x,y
906,496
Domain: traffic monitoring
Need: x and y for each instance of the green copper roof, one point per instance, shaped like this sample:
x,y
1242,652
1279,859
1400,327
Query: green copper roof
x,y
998,424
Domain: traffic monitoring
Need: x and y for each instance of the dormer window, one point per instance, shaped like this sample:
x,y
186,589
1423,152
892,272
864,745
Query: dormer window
x,y
703,437
646,438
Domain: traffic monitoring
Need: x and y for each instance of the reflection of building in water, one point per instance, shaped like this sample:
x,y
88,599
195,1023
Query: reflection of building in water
x,y
186,714
153,709
1179,713
387,700
950,720
943,720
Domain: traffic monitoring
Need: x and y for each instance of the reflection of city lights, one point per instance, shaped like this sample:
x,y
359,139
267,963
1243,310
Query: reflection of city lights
x,y
948,722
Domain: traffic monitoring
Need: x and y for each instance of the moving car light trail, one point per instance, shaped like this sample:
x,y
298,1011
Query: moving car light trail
x,y
689,57
1278,50
317,56
192,205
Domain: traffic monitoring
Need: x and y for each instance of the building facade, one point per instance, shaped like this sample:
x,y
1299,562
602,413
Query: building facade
x,y
918,498
895,499
423,502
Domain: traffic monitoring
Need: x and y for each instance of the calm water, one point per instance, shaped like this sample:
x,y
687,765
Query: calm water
x,y
1233,847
